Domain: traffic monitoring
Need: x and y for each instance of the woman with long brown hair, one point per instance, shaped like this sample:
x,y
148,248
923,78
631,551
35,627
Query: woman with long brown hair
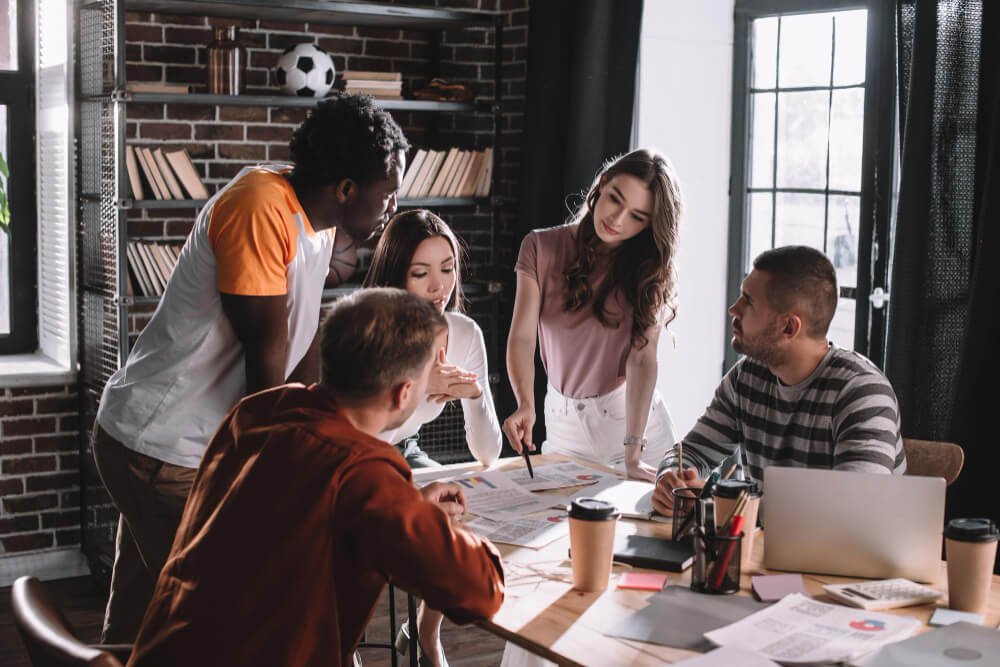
x,y
418,252
595,293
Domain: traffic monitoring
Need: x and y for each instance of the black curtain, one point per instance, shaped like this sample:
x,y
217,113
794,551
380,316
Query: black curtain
x,y
582,58
946,274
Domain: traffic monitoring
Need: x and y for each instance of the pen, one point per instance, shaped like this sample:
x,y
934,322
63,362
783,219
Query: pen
x,y
527,461
722,564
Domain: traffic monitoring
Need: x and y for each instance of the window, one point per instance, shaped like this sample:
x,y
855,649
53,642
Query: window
x,y
799,164
18,310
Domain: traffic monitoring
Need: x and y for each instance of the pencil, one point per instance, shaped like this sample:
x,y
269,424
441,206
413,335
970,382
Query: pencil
x,y
729,472
680,459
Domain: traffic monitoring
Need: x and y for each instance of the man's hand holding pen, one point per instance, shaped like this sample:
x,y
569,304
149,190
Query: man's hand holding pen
x,y
663,498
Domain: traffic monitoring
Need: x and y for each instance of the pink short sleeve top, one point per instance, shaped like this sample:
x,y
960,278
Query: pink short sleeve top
x,y
582,357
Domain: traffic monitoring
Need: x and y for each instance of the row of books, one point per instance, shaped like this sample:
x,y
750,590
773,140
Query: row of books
x,y
150,265
380,85
448,173
162,174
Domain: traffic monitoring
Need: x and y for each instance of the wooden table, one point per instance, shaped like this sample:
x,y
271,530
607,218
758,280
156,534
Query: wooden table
x,y
544,614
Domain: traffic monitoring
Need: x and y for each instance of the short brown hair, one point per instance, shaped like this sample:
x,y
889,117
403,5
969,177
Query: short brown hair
x,y
802,278
374,339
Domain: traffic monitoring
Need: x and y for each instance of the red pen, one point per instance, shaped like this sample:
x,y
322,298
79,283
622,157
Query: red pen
x,y
721,565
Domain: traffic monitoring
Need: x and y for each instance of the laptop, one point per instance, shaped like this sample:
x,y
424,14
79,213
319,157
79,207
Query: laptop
x,y
853,524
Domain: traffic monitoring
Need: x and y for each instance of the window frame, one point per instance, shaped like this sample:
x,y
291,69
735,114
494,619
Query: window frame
x,y
17,93
876,160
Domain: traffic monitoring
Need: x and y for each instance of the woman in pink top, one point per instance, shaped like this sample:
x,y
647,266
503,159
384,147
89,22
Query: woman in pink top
x,y
595,294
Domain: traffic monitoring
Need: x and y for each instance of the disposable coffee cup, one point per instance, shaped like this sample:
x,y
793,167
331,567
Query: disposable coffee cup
x,y
970,549
750,523
727,493
592,525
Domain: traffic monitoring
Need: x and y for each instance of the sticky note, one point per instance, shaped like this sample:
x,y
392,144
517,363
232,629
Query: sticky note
x,y
773,587
642,581
944,616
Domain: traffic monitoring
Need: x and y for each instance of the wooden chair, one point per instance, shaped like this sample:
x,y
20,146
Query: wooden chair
x,y
933,459
48,636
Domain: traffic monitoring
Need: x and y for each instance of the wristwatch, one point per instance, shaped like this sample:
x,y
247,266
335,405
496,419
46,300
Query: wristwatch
x,y
635,440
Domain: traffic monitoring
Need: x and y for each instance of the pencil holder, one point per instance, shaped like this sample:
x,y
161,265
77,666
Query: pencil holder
x,y
716,566
683,520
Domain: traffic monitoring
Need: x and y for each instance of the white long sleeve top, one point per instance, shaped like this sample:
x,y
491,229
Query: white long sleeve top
x,y
467,350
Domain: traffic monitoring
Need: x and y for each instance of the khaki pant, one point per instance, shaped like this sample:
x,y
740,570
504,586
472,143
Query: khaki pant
x,y
150,495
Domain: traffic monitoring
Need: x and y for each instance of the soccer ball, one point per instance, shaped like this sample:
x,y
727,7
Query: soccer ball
x,y
305,70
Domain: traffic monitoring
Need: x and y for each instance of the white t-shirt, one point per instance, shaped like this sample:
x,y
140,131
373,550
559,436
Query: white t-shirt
x,y
187,370
466,350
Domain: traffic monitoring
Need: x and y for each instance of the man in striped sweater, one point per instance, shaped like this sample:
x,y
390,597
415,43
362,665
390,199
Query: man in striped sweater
x,y
794,399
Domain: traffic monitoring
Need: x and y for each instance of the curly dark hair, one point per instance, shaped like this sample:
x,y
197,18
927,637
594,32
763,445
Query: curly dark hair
x,y
345,136
400,239
643,266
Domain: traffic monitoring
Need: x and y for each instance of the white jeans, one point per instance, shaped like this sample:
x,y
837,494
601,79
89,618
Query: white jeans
x,y
594,428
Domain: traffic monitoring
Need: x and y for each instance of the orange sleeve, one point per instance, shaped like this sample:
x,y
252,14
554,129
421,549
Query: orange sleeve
x,y
413,543
253,235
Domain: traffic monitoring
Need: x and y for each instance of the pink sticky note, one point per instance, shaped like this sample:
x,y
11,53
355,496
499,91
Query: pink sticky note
x,y
773,587
642,581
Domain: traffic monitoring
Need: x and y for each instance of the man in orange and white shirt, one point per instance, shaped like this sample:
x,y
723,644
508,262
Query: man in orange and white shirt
x,y
240,314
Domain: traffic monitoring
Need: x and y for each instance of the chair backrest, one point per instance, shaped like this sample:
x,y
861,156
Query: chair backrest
x,y
46,632
933,459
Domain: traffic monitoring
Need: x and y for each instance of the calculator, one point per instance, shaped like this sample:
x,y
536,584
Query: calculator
x,y
885,594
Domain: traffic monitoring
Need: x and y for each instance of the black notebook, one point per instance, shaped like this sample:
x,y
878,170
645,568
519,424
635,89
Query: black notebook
x,y
654,553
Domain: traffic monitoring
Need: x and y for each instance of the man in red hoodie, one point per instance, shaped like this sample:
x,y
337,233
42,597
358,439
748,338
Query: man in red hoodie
x,y
299,515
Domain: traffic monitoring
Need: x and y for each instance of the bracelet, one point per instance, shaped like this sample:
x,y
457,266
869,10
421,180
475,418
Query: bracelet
x,y
635,440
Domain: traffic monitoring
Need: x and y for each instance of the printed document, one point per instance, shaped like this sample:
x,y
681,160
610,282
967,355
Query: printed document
x,y
557,476
493,495
801,630
533,532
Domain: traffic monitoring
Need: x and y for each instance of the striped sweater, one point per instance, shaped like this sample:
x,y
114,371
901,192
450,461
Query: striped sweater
x,y
844,416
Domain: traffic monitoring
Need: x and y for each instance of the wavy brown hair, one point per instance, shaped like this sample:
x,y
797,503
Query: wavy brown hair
x,y
394,252
643,266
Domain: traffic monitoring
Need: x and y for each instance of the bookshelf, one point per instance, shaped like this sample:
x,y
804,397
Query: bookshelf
x,y
106,308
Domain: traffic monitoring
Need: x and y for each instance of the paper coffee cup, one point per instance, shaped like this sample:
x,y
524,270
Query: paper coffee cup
x,y
592,525
750,524
727,494
970,549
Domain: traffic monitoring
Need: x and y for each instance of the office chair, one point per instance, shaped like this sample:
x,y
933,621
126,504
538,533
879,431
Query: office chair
x,y
48,636
933,459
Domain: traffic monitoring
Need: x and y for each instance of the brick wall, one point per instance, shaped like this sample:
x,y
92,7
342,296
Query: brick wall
x,y
39,463
39,469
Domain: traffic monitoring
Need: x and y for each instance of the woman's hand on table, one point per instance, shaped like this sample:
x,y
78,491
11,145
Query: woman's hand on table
x,y
640,470
518,429
663,497
446,495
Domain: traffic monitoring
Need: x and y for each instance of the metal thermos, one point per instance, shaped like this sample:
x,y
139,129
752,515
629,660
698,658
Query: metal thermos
x,y
227,61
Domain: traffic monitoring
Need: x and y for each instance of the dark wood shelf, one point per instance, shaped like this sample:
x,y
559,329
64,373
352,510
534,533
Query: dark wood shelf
x,y
283,101
436,202
317,11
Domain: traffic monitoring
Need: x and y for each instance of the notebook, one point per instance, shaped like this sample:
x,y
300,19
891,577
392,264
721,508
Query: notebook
x,y
654,553
853,524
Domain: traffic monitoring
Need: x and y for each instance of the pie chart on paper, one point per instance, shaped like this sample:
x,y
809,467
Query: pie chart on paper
x,y
867,625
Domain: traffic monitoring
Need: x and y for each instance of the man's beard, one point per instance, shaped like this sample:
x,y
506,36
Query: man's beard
x,y
762,347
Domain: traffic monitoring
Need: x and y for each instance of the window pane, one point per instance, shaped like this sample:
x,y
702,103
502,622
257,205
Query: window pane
x,y
760,225
847,123
8,34
798,219
842,327
765,52
762,141
842,238
804,52
849,59
4,240
802,119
